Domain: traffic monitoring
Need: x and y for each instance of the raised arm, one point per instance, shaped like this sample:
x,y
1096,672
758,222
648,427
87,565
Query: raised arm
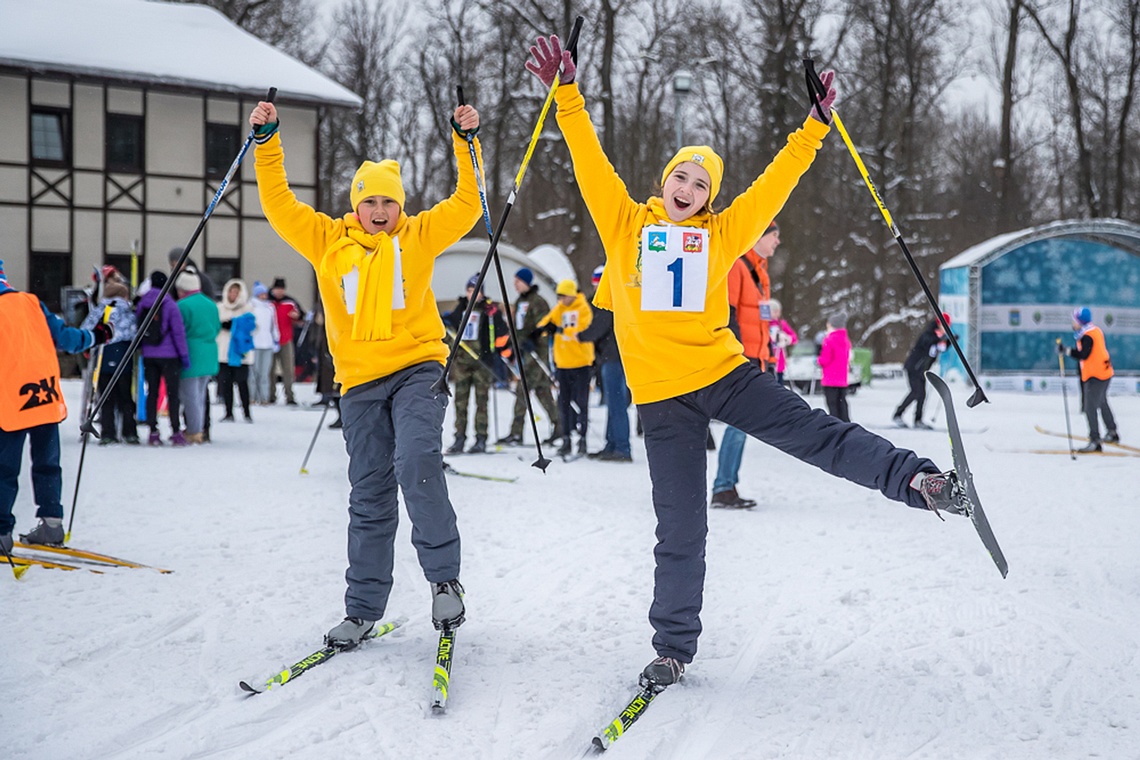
x,y
446,222
307,230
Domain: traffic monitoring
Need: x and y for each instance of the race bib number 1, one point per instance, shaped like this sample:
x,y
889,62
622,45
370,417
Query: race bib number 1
x,y
674,268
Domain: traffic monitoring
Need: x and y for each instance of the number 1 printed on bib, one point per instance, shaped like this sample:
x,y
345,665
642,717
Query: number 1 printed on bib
x,y
674,268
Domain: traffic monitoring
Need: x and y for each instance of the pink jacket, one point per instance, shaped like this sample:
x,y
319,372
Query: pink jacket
x,y
780,353
835,358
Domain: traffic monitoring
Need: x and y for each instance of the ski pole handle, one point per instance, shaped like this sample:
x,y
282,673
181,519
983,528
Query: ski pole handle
x,y
271,95
572,41
459,94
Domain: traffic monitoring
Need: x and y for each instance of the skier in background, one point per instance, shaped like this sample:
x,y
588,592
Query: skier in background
x,y
1096,374
930,343
32,406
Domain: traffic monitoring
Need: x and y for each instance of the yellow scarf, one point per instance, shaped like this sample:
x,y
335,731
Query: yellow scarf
x,y
603,297
374,257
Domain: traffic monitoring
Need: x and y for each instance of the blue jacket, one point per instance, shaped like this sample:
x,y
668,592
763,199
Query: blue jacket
x,y
241,338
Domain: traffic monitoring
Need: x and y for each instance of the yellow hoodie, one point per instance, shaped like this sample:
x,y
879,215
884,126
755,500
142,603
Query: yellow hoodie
x,y
329,244
569,352
670,353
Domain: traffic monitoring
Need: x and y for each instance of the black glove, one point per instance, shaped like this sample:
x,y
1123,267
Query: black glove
x,y
103,332
1061,348
229,323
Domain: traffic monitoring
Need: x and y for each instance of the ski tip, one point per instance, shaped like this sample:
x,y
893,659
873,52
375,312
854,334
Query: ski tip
x,y
247,688
598,745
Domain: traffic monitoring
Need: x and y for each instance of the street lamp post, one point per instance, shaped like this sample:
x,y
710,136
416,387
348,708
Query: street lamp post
x,y
682,84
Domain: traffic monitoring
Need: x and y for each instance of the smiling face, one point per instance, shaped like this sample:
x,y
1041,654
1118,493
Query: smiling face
x,y
686,191
378,213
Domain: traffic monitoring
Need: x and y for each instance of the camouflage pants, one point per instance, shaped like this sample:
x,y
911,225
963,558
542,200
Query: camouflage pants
x,y
467,373
539,385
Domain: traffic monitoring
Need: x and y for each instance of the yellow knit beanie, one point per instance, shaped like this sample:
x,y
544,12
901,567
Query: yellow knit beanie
x,y
704,157
377,179
567,288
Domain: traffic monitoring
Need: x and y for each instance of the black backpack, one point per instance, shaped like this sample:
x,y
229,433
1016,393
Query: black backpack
x,y
153,334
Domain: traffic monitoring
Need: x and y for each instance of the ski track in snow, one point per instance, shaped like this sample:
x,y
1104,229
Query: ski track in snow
x,y
836,624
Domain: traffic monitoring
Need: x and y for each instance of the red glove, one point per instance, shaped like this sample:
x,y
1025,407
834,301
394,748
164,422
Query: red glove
x,y
103,332
827,78
547,59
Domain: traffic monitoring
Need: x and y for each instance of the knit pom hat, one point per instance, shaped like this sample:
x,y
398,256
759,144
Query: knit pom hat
x,y
259,289
567,288
597,276
1083,315
377,179
188,282
525,275
704,157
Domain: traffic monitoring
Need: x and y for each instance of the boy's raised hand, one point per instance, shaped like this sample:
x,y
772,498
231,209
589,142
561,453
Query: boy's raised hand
x,y
263,113
547,58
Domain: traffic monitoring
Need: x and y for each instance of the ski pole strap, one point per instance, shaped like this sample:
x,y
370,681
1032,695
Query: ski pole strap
x,y
816,90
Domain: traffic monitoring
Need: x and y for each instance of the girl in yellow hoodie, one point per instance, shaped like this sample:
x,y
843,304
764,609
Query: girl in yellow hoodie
x,y
667,263
572,361
374,267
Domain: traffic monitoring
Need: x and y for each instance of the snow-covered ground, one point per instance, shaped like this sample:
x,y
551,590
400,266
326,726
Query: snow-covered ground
x,y
837,624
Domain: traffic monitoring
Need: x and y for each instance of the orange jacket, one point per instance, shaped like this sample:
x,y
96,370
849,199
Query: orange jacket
x,y
1097,364
745,294
29,375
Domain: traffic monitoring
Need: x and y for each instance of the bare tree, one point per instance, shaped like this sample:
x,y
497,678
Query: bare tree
x,y
285,24
1065,48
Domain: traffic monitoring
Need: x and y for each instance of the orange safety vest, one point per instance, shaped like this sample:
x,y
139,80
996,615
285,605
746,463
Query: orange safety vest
x,y
30,392
1098,365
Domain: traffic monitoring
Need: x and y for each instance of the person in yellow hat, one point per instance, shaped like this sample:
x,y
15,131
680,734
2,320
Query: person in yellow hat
x,y
667,264
572,361
374,268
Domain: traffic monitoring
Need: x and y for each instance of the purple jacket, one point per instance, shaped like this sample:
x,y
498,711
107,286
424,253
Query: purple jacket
x,y
835,359
173,345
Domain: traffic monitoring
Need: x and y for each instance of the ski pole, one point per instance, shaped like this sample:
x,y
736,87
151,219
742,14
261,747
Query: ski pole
x,y
817,93
1065,400
16,571
88,425
441,384
83,435
312,443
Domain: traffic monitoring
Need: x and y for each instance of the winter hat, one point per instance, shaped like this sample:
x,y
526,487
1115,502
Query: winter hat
x,y
946,316
472,281
838,320
278,283
113,287
188,282
259,289
377,179
157,278
174,255
772,227
567,288
1083,315
3,277
525,275
703,156
597,276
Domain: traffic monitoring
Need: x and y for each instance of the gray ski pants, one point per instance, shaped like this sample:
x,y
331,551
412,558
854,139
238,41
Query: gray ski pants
x,y
392,431
751,400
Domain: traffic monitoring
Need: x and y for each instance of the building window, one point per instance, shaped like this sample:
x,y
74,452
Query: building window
x,y
222,271
50,274
124,143
222,143
51,141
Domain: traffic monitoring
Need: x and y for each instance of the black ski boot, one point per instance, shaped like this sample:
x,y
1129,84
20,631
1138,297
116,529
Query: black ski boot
x,y
480,445
457,447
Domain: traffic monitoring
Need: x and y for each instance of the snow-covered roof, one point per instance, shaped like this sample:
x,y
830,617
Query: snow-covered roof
x,y
150,42
1115,231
